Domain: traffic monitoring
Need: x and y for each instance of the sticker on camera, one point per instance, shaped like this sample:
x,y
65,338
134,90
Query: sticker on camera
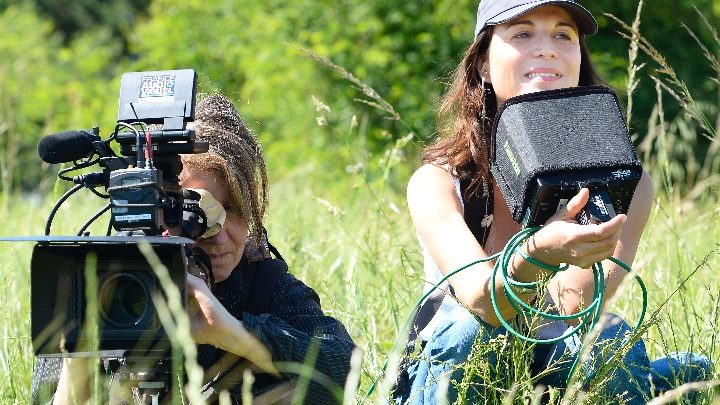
x,y
157,88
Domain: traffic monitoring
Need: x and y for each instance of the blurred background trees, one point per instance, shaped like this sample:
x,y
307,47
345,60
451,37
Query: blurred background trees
x,y
62,60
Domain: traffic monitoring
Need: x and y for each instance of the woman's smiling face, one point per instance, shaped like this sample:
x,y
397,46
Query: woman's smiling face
x,y
539,50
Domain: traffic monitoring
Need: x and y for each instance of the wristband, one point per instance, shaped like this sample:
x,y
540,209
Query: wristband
x,y
518,288
544,266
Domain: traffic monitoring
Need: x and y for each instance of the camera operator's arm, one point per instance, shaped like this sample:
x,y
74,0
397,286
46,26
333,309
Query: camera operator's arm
x,y
212,324
74,384
296,330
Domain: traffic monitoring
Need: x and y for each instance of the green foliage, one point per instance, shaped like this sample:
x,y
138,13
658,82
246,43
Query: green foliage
x,y
229,48
662,25
46,88
684,149
75,16
339,166
26,85
252,51
338,163
305,112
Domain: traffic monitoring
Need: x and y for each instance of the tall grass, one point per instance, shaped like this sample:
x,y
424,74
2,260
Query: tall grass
x,y
347,234
688,169
20,215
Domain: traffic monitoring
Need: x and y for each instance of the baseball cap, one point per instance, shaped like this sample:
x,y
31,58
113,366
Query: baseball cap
x,y
494,12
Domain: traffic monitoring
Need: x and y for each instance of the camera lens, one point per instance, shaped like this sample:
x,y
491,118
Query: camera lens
x,y
124,300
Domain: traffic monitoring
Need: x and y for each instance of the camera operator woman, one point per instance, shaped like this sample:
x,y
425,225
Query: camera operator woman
x,y
230,333
520,47
234,173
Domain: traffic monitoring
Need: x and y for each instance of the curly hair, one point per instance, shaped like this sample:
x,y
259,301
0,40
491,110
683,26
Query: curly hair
x,y
235,156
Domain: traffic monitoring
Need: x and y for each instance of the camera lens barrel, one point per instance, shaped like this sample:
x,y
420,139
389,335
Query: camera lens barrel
x,y
123,300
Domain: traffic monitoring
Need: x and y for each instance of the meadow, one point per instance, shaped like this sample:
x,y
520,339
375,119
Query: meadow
x,y
354,243
346,232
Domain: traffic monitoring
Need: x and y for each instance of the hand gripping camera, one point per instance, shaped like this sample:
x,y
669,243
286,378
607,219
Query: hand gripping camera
x,y
146,204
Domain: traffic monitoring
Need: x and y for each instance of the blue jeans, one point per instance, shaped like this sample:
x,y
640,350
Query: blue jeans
x,y
440,369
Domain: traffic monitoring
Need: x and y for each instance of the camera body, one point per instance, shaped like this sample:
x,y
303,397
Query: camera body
x,y
126,286
146,198
146,206
137,202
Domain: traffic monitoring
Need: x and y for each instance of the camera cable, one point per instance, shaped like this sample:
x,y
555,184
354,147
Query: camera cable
x,y
588,316
93,218
59,202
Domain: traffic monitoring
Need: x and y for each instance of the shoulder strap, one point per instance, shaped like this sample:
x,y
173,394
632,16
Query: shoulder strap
x,y
477,207
425,313
261,277
274,251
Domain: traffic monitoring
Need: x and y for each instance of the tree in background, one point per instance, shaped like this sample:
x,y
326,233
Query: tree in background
x,y
71,17
306,112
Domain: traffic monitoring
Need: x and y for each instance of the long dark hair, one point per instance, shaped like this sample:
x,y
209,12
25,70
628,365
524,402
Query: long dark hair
x,y
467,111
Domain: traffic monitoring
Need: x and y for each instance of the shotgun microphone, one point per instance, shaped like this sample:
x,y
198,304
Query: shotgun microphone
x,y
66,146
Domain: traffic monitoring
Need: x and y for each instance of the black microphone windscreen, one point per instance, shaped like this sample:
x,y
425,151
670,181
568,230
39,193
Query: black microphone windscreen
x,y
65,146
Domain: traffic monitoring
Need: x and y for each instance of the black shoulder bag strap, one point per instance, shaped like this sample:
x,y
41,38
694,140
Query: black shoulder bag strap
x,y
261,277
476,208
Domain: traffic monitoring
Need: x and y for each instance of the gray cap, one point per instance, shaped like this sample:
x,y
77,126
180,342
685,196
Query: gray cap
x,y
494,12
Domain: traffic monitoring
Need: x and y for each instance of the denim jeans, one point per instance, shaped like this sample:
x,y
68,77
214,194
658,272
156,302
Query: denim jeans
x,y
439,369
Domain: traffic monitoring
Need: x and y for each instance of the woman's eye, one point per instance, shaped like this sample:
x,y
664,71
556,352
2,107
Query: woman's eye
x,y
564,36
522,35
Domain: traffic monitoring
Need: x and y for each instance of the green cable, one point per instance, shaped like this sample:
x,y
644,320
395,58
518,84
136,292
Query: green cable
x,y
589,314
411,315
520,306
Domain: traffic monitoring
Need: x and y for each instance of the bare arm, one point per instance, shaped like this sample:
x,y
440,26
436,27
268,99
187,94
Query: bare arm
x,y
438,218
437,214
74,384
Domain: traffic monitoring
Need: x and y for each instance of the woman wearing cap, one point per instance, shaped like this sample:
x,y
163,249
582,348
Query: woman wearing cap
x,y
520,47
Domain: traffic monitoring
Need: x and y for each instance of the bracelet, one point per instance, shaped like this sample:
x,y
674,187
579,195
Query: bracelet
x,y
517,287
544,266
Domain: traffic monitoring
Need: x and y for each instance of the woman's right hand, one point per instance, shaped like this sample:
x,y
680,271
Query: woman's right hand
x,y
564,240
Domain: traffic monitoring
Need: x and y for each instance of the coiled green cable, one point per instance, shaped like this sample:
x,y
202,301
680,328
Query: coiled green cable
x,y
589,315
502,265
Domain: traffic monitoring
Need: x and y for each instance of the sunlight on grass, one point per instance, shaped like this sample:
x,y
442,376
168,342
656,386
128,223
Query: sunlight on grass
x,y
348,235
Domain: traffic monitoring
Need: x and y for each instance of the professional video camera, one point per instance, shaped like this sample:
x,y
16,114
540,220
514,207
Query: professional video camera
x,y
146,205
